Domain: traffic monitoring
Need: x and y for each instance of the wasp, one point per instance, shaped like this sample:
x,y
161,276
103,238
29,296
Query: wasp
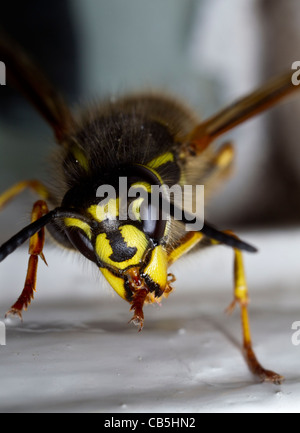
x,y
148,140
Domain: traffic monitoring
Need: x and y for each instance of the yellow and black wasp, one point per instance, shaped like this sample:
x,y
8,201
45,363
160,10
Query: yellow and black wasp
x,y
148,139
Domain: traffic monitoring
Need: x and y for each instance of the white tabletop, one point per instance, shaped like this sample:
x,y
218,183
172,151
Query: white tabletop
x,y
76,352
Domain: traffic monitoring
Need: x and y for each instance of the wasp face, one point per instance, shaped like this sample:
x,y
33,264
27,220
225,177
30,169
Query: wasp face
x,y
129,251
131,262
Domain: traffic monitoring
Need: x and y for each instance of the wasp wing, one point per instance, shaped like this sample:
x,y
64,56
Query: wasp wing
x,y
242,110
29,79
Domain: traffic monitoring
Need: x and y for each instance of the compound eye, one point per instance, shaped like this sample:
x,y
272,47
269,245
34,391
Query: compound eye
x,y
82,243
153,224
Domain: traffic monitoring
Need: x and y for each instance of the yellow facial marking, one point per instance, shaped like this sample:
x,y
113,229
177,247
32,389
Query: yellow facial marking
x,y
109,211
161,160
133,237
73,222
146,186
135,208
157,269
116,282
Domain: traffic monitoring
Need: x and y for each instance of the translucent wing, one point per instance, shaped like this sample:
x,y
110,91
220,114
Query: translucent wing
x,y
242,110
29,79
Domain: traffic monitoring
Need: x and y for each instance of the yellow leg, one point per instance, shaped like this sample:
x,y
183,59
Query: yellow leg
x,y
241,296
184,245
17,189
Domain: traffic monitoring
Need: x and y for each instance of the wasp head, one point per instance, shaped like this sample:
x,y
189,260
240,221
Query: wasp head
x,y
124,236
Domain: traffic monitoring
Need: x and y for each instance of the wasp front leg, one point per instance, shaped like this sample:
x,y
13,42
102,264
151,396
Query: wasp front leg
x,y
35,250
36,242
241,297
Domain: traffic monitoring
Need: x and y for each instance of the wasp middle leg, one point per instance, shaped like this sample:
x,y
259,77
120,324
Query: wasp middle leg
x,y
14,191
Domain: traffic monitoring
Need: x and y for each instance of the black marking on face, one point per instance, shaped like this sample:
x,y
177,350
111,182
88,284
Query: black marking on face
x,y
121,251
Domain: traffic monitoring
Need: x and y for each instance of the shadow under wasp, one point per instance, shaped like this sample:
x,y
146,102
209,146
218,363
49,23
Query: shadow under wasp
x,y
150,139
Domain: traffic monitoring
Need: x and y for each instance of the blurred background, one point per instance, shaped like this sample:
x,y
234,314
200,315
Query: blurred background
x,y
208,52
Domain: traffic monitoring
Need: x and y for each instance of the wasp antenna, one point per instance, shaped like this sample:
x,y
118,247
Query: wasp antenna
x,y
16,241
212,233
25,75
251,105
227,239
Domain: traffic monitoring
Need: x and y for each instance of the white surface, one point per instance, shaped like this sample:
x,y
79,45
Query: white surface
x,y
75,351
